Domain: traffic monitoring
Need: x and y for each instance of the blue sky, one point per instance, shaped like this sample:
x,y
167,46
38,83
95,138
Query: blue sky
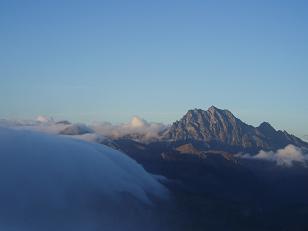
x,y
109,60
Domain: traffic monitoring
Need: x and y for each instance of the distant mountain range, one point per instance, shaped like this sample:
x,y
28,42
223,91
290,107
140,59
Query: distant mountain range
x,y
212,135
215,130
198,130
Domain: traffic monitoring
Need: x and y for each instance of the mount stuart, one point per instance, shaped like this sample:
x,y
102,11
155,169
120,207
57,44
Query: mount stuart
x,y
215,130
221,129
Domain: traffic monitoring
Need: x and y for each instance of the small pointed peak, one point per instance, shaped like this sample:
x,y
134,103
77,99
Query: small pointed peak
x,y
213,108
305,138
266,126
216,109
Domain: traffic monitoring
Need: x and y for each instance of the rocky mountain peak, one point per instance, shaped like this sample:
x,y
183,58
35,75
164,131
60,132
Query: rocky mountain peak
x,y
213,108
266,127
213,125
220,128
214,111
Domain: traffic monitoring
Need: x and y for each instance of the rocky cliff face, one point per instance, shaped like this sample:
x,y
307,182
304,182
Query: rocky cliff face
x,y
216,127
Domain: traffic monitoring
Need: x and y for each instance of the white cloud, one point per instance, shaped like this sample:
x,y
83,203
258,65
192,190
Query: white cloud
x,y
285,157
91,137
137,122
41,123
44,119
66,184
137,125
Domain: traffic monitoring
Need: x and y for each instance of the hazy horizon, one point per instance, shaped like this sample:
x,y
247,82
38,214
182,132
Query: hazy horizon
x,y
129,119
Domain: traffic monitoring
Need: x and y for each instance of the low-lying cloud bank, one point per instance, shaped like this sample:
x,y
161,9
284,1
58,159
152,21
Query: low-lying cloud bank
x,y
51,182
138,128
283,157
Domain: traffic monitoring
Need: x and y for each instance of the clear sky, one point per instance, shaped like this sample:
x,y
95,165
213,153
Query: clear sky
x,y
108,60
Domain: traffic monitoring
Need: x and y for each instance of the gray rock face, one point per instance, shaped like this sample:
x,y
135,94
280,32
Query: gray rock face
x,y
220,127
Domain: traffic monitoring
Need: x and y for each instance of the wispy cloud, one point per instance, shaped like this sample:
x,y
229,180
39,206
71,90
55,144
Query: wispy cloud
x,y
284,157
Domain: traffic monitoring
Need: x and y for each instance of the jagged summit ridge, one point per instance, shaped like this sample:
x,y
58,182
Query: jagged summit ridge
x,y
220,127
